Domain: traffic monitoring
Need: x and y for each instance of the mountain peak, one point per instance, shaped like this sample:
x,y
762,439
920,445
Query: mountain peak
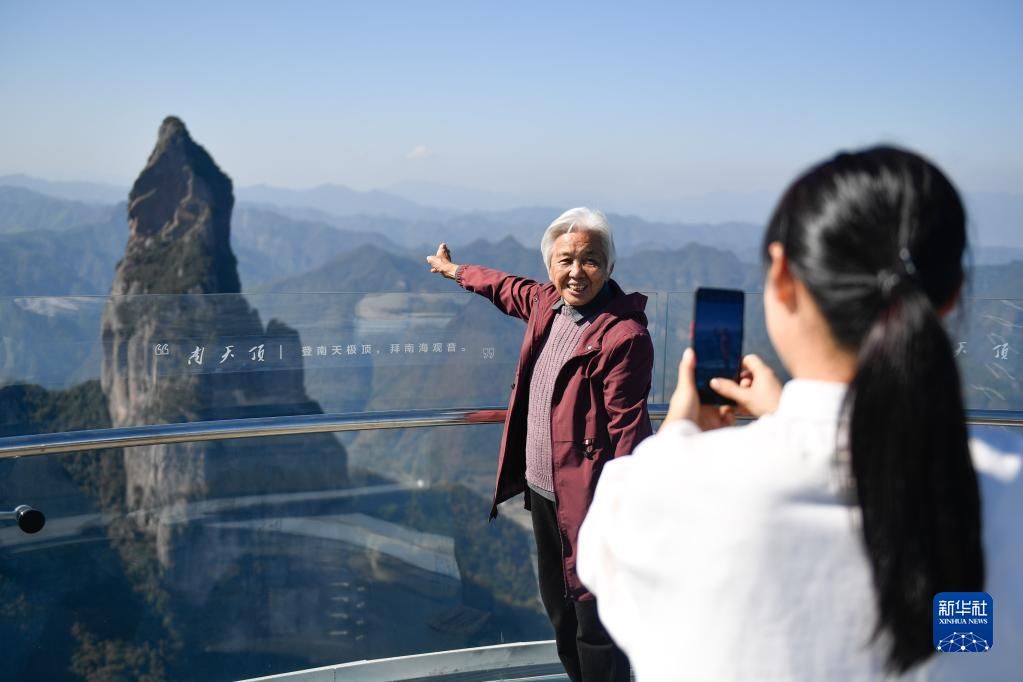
x,y
172,125
179,216
174,142
173,138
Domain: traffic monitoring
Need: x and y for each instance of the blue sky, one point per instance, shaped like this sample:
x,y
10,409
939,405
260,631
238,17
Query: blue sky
x,y
618,104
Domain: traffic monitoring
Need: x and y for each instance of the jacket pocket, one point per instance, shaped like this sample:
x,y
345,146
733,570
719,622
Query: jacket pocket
x,y
590,448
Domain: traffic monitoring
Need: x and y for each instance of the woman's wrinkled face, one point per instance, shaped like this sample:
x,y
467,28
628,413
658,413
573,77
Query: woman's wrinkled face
x,y
578,267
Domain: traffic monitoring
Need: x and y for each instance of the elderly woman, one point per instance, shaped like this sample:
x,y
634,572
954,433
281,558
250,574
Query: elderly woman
x,y
578,401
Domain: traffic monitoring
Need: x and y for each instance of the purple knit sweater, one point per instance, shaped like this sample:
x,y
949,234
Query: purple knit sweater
x,y
561,343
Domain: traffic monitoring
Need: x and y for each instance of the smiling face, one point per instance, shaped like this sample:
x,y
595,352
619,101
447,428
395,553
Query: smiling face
x,y
578,267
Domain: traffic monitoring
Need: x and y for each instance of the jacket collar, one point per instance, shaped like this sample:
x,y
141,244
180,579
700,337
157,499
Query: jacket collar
x,y
620,306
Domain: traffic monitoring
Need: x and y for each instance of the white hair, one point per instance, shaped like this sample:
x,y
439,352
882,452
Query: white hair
x,y
580,219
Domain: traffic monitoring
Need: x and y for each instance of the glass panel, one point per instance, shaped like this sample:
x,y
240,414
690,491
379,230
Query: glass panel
x,y
225,560
986,335
656,311
232,559
165,359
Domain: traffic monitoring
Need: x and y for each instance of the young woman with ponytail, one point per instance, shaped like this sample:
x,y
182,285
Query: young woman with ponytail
x,y
810,543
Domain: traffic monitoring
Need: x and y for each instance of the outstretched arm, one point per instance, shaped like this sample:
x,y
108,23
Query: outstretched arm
x,y
513,295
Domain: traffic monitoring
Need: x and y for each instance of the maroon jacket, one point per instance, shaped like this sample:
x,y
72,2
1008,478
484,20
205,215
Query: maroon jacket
x,y
599,408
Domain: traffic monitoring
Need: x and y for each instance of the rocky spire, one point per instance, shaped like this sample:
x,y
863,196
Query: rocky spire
x,y
179,216
179,247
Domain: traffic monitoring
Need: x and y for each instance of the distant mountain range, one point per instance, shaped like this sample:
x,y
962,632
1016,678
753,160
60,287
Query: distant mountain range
x,y
340,200
87,192
271,246
23,210
52,246
407,209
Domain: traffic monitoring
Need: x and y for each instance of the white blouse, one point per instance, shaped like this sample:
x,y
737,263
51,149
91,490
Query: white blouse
x,y
736,554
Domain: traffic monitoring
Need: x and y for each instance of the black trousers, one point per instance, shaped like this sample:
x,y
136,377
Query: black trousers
x,y
584,646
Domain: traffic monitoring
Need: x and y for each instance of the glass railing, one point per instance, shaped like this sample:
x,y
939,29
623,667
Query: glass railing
x,y
986,336
241,557
362,535
171,359
257,556
168,359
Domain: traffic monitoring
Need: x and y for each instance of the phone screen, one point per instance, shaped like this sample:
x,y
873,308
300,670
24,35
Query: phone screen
x,y
717,339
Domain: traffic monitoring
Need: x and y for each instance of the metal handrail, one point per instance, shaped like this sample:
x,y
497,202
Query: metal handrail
x,y
511,661
254,427
261,427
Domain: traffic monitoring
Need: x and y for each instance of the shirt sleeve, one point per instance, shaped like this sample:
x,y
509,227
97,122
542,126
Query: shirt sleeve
x,y
512,295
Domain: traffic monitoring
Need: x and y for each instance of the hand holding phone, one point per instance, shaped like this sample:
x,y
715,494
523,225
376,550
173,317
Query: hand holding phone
x,y
685,402
717,339
758,390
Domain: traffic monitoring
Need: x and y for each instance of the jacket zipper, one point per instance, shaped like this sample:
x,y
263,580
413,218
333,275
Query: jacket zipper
x,y
590,349
589,454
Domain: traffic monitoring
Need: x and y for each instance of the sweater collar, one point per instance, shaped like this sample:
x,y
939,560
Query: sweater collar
x,y
590,309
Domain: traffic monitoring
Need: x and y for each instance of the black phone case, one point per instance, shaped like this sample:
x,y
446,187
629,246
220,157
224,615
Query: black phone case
x,y
730,297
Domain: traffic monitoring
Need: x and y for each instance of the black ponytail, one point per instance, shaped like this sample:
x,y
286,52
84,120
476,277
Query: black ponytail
x,y
878,238
914,478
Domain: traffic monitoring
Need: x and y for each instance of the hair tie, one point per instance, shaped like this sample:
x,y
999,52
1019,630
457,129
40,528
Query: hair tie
x,y
887,282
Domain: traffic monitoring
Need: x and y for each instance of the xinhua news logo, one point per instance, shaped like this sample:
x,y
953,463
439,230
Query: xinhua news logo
x,y
963,622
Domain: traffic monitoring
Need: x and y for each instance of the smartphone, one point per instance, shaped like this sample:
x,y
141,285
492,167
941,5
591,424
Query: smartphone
x,y
717,339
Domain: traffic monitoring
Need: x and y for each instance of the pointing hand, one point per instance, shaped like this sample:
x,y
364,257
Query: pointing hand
x,y
441,262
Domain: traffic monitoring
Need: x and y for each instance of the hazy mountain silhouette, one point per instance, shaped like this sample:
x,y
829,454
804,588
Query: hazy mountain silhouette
x,y
368,268
88,192
455,198
22,210
271,246
74,262
339,200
